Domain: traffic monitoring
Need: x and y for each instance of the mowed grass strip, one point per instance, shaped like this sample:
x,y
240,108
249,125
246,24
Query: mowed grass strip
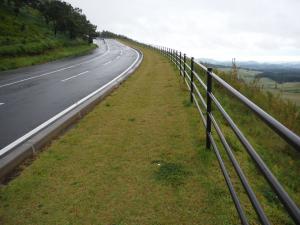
x,y
137,158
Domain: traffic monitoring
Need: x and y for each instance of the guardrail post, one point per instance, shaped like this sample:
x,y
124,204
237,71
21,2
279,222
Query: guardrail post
x,y
192,79
174,56
208,111
184,62
180,67
174,61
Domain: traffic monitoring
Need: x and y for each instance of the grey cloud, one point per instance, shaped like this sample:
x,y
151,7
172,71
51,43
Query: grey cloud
x,y
215,28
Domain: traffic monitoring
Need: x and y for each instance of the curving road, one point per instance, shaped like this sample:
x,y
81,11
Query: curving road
x,y
30,96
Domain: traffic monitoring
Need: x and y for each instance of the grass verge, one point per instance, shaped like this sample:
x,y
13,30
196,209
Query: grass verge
x,y
7,63
137,158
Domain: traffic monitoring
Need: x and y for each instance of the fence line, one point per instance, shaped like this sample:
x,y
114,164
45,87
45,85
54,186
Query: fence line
x,y
187,71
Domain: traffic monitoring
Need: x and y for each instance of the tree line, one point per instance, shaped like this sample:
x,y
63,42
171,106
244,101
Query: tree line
x,y
281,75
60,15
108,34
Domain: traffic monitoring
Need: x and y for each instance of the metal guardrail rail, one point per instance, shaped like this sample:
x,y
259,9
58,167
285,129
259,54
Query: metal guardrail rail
x,y
189,75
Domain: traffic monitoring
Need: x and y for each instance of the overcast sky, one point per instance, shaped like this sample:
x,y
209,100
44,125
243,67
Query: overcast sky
x,y
261,30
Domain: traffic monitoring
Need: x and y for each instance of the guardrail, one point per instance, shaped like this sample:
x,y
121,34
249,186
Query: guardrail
x,y
189,75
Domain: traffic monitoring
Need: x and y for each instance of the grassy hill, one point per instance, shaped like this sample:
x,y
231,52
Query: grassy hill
x,y
26,39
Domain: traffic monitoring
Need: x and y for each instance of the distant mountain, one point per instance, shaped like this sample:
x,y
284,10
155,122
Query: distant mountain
x,y
280,72
214,62
253,65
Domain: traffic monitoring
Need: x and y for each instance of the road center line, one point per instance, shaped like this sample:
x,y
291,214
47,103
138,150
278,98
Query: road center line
x,y
112,60
30,78
75,76
107,62
64,112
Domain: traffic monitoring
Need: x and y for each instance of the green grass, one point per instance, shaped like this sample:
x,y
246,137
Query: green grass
x,y
27,40
171,173
283,160
51,55
137,158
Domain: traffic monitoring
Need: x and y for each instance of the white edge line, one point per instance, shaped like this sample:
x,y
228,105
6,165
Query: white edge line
x,y
1,103
72,77
55,71
64,112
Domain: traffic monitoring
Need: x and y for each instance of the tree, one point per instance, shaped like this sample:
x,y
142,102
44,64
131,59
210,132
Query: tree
x,y
91,32
55,12
18,4
60,15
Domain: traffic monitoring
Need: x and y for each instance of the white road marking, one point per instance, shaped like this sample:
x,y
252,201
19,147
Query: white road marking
x,y
1,103
75,76
30,78
112,60
64,112
55,71
107,62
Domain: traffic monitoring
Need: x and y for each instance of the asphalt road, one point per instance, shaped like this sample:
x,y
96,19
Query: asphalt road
x,y
30,96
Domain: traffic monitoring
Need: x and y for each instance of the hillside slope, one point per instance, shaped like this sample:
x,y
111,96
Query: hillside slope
x,y
26,39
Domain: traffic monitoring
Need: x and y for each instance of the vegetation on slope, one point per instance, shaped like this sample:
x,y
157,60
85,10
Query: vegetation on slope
x,y
108,34
283,160
35,31
281,79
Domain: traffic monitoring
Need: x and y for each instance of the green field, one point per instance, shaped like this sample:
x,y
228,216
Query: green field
x,y
288,91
